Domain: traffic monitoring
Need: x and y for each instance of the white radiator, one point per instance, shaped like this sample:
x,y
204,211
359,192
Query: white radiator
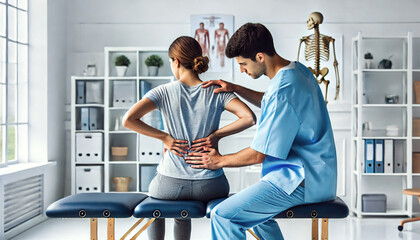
x,y
23,201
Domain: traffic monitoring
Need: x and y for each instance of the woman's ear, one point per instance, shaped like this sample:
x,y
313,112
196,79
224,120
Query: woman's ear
x,y
177,63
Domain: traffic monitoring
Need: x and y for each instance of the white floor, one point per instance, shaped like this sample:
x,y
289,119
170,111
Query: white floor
x,y
342,229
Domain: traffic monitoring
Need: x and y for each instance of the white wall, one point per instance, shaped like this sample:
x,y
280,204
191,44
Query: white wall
x,y
95,24
47,83
57,52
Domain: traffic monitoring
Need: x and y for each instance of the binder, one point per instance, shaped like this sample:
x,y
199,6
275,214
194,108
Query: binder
x,y
369,156
399,157
144,88
84,118
124,93
379,156
389,156
80,92
93,119
94,92
154,118
147,173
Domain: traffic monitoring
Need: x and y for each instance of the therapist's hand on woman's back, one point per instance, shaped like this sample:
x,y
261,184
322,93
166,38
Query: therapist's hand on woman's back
x,y
212,141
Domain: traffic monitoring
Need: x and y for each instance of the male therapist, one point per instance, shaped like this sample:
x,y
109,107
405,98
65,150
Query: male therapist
x,y
294,141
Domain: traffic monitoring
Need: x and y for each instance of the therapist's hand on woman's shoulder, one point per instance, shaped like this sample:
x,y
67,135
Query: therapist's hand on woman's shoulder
x,y
224,86
208,159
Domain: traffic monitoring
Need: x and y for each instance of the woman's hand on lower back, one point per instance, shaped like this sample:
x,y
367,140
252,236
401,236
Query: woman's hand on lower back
x,y
212,141
177,147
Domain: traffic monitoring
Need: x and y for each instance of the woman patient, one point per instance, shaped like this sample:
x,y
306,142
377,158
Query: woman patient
x,y
191,116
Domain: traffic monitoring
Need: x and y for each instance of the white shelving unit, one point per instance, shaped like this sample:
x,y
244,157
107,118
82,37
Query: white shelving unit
x,y
369,88
121,137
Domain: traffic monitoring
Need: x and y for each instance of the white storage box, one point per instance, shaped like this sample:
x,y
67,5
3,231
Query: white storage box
x,y
150,150
89,179
89,147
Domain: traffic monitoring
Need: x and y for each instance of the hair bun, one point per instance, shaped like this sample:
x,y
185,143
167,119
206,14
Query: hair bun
x,y
201,64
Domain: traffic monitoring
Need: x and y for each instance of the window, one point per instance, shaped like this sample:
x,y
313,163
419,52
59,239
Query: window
x,y
13,81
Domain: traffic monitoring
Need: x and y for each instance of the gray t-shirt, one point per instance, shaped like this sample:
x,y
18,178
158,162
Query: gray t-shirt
x,y
189,113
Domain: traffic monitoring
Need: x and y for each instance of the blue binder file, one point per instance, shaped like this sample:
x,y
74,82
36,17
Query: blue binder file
x,y
84,118
369,156
144,88
80,92
379,156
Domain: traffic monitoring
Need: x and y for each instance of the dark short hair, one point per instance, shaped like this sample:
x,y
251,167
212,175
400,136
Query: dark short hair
x,y
249,40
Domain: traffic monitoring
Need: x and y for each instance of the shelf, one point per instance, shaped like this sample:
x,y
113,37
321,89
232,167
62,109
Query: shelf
x,y
127,192
123,78
123,162
89,163
385,174
384,105
90,131
122,132
380,134
89,105
383,37
385,70
387,213
87,78
119,108
377,84
155,78
382,137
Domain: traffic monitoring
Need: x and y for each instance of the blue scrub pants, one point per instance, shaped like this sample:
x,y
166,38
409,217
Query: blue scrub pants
x,y
253,207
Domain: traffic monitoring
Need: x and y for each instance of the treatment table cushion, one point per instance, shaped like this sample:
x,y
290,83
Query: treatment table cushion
x,y
96,205
330,209
157,208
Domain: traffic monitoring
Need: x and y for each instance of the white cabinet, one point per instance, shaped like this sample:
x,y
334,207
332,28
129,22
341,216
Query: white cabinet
x,y
97,107
383,109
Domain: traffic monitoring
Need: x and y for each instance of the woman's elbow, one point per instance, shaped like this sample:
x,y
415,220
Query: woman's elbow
x,y
125,121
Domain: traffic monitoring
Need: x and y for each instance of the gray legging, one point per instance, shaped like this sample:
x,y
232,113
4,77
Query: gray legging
x,y
164,187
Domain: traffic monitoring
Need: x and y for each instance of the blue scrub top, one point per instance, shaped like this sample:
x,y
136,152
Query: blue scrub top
x,y
295,133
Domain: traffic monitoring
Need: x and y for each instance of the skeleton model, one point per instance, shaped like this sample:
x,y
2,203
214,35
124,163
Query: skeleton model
x,y
317,48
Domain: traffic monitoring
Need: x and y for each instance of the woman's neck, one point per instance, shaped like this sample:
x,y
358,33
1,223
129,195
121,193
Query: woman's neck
x,y
189,78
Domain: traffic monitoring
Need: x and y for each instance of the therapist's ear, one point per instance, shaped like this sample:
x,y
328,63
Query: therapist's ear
x,y
260,57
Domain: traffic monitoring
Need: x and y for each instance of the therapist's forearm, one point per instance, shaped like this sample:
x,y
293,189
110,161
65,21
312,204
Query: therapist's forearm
x,y
250,95
246,157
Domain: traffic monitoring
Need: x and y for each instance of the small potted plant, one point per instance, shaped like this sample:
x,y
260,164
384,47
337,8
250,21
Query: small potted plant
x,y
121,64
368,60
153,63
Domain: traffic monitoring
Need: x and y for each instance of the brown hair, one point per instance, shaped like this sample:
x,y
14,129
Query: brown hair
x,y
188,52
